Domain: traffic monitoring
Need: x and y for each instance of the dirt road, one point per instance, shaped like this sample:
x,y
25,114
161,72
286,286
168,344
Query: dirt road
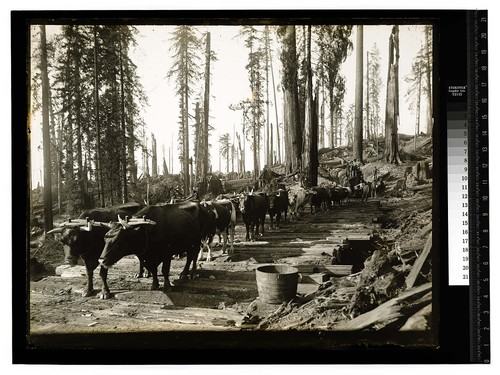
x,y
218,300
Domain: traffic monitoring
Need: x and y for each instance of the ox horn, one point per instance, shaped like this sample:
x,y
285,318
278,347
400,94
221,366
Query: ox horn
x,y
55,230
251,192
123,222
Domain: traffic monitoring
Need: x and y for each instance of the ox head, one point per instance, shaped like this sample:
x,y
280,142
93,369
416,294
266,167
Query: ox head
x,y
242,202
274,197
76,238
124,237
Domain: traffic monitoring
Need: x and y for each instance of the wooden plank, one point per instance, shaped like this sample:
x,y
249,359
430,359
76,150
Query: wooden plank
x,y
385,312
417,266
335,270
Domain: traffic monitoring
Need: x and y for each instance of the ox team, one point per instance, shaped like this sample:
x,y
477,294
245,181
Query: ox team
x,y
155,233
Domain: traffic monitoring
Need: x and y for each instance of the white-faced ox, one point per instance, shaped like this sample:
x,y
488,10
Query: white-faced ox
x,y
254,207
166,230
298,200
278,204
84,238
221,220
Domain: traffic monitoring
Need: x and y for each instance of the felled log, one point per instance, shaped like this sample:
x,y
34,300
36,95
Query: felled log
x,y
237,185
417,266
420,321
404,305
419,187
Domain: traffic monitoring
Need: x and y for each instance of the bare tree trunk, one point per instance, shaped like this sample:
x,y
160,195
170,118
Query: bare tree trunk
x,y
59,166
278,138
123,128
322,114
367,95
392,101
47,177
100,186
308,118
332,118
154,157
199,141
292,108
185,129
269,134
358,119
206,110
428,29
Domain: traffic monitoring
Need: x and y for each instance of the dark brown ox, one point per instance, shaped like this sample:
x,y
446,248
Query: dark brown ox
x,y
278,205
254,207
165,231
222,221
81,238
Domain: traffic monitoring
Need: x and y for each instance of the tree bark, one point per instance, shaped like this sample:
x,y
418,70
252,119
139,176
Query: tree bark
x,y
123,129
291,98
428,30
154,156
367,126
358,119
47,177
206,110
97,124
392,101
278,138
186,127
308,117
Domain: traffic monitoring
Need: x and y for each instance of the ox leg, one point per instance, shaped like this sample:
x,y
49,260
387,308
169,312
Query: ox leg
x,y
209,253
191,258
224,241
154,273
165,270
231,249
103,273
247,237
141,273
89,288
278,219
252,231
262,221
204,244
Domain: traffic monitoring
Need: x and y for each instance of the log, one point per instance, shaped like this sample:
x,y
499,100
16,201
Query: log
x,y
388,311
419,321
334,270
417,266
419,187
236,185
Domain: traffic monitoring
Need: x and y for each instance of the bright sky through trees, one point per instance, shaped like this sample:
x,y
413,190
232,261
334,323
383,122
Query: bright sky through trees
x,y
230,85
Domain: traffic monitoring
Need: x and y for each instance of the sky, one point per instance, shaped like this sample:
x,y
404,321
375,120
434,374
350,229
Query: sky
x,y
230,85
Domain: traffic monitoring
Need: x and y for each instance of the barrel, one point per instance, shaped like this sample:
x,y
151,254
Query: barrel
x,y
277,283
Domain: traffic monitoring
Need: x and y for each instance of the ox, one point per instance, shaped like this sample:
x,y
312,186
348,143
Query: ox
x,y
222,221
278,204
298,200
81,238
338,194
366,191
253,208
320,199
169,230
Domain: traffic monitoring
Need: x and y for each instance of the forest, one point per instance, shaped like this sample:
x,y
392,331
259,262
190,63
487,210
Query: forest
x,y
96,147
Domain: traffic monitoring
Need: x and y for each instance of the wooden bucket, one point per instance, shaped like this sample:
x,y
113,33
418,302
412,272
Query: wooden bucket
x,y
277,283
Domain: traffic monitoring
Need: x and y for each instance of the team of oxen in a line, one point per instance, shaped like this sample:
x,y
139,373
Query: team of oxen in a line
x,y
155,233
